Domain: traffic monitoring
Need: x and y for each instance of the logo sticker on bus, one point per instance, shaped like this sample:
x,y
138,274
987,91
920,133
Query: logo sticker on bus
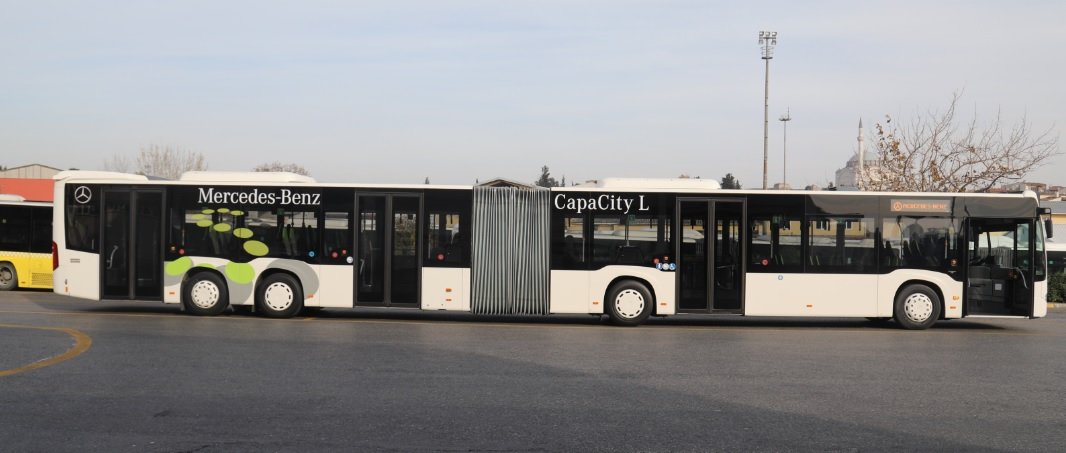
x,y
83,194
604,202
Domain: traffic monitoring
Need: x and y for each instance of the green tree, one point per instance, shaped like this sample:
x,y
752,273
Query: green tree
x,y
730,182
1056,288
546,179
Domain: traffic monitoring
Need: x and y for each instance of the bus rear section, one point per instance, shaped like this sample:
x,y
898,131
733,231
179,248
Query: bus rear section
x,y
25,243
107,236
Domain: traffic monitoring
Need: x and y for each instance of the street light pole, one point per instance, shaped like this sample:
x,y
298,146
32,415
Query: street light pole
x,y
767,39
784,119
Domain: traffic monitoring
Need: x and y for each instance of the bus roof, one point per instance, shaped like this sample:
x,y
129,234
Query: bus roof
x,y
83,175
8,199
246,176
657,185
653,183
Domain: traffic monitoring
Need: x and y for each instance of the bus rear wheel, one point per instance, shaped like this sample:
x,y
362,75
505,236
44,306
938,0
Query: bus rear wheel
x,y
279,296
917,307
205,294
629,303
8,278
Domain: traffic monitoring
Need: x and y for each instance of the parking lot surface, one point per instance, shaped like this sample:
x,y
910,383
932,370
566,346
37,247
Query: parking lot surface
x,y
141,376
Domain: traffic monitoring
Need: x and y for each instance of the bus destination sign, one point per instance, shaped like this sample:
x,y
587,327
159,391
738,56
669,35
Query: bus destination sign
x,y
942,206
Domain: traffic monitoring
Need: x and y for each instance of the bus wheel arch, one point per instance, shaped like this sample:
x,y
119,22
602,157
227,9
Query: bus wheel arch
x,y
278,294
204,293
917,305
629,301
9,277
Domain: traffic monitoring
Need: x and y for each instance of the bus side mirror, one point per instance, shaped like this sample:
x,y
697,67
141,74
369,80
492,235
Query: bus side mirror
x,y
1049,228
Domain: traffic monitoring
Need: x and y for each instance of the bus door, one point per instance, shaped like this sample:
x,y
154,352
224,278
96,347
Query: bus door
x,y
132,260
388,239
1000,265
710,252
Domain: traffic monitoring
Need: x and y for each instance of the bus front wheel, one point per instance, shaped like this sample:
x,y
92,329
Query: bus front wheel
x,y
629,303
917,307
279,296
8,278
205,294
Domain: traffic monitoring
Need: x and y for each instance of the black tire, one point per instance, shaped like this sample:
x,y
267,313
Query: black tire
x,y
9,279
279,296
205,294
917,307
629,303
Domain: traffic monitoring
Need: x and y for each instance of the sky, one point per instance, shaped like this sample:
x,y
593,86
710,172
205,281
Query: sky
x,y
457,91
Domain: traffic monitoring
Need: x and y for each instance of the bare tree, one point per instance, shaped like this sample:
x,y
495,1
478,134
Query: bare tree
x,y
936,154
163,161
278,166
119,163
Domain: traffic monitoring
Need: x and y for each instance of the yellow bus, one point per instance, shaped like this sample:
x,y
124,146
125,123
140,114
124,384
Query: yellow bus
x,y
25,243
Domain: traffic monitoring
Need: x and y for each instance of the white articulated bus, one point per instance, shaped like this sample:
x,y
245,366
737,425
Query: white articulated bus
x,y
277,243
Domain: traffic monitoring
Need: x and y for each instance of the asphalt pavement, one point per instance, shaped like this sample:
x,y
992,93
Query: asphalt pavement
x,y
141,376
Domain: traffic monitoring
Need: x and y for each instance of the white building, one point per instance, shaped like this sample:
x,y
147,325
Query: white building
x,y
31,171
847,178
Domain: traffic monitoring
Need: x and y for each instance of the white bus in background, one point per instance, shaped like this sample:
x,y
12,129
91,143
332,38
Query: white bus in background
x,y
277,243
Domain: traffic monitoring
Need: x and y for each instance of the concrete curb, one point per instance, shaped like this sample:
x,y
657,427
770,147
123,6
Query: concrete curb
x,y
1056,305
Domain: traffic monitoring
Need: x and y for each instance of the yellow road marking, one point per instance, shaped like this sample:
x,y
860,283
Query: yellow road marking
x,y
82,342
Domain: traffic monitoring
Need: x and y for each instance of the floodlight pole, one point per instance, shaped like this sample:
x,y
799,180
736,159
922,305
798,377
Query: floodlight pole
x,y
767,39
784,119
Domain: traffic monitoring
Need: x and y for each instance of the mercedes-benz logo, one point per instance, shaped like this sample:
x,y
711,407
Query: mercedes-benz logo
x,y
82,194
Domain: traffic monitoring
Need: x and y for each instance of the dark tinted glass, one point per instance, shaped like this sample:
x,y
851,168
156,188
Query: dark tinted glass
x,y
41,230
919,243
447,241
82,219
14,228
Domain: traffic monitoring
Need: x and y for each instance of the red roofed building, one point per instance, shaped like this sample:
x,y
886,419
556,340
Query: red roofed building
x,y
33,182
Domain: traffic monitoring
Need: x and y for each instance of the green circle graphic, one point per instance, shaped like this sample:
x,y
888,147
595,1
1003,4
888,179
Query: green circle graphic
x,y
178,267
204,223
236,213
223,227
198,216
243,233
206,265
256,248
241,273
208,211
223,210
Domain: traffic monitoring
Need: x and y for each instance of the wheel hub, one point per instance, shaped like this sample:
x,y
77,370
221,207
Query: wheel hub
x,y
629,303
204,294
278,296
918,307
